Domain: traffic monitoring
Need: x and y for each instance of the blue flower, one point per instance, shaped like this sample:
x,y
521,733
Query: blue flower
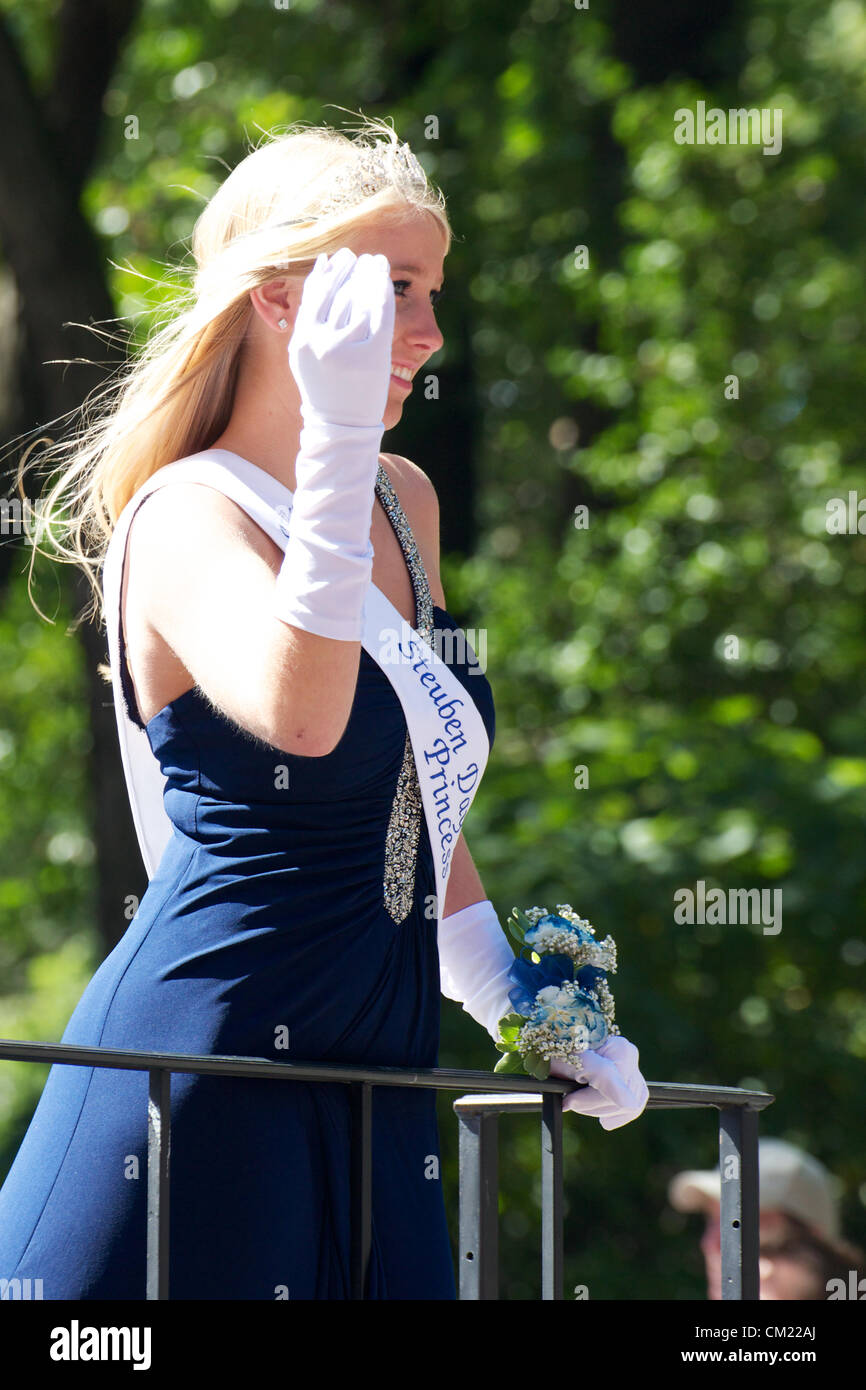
x,y
588,976
552,921
571,936
529,978
571,1015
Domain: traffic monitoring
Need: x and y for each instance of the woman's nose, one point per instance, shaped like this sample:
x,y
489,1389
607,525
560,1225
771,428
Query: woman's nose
x,y
423,330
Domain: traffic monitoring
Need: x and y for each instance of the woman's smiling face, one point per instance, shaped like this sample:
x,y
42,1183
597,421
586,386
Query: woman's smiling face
x,y
415,249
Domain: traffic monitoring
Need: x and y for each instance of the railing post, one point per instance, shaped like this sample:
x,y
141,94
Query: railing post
x,y
551,1196
738,1213
479,1204
361,1102
158,1179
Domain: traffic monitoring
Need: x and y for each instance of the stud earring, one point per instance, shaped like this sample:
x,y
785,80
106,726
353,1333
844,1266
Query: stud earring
x,y
281,323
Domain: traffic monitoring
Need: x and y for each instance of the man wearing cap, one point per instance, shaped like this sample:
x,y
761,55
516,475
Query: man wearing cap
x,y
799,1223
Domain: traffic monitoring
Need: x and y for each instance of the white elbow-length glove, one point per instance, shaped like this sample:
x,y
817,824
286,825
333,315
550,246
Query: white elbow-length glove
x,y
340,356
474,961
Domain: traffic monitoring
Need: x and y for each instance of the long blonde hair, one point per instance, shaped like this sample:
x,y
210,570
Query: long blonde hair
x,y
175,397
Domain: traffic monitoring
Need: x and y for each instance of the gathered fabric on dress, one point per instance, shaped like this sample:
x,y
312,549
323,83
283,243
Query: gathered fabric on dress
x,y
263,933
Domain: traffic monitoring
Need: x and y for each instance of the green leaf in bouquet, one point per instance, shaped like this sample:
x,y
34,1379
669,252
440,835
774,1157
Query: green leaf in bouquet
x,y
510,1025
509,1062
516,927
536,1066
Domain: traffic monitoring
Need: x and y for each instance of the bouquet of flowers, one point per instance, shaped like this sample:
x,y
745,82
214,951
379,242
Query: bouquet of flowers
x,y
562,1002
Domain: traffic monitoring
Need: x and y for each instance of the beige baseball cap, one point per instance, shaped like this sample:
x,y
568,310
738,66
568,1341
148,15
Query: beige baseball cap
x,y
789,1180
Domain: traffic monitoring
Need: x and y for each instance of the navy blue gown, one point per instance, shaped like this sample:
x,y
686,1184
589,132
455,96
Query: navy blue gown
x,y
265,914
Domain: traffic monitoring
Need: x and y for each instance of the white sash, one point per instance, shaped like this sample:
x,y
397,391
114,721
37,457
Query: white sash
x,y
449,740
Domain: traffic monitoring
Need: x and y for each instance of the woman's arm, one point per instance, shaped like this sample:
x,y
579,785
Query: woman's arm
x,y
464,883
474,954
209,573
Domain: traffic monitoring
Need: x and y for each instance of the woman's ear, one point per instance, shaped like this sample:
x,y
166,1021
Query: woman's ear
x,y
276,303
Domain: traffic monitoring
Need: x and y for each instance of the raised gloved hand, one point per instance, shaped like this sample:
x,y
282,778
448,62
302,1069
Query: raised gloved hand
x,y
340,348
616,1093
340,355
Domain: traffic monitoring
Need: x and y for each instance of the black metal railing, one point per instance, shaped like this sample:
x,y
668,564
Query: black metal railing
x,y
478,1114
738,1161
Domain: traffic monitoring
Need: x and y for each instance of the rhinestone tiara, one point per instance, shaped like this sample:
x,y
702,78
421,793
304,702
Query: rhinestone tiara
x,y
381,164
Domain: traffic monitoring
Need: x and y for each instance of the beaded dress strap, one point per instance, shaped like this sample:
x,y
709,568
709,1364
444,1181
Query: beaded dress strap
x,y
404,825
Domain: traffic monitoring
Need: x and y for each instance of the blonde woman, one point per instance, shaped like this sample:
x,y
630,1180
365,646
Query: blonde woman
x,y
299,759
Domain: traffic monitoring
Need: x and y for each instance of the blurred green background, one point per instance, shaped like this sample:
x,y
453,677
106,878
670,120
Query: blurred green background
x,y
691,378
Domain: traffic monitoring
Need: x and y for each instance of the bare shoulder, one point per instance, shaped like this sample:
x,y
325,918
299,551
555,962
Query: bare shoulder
x,y
416,484
192,552
417,496
182,520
